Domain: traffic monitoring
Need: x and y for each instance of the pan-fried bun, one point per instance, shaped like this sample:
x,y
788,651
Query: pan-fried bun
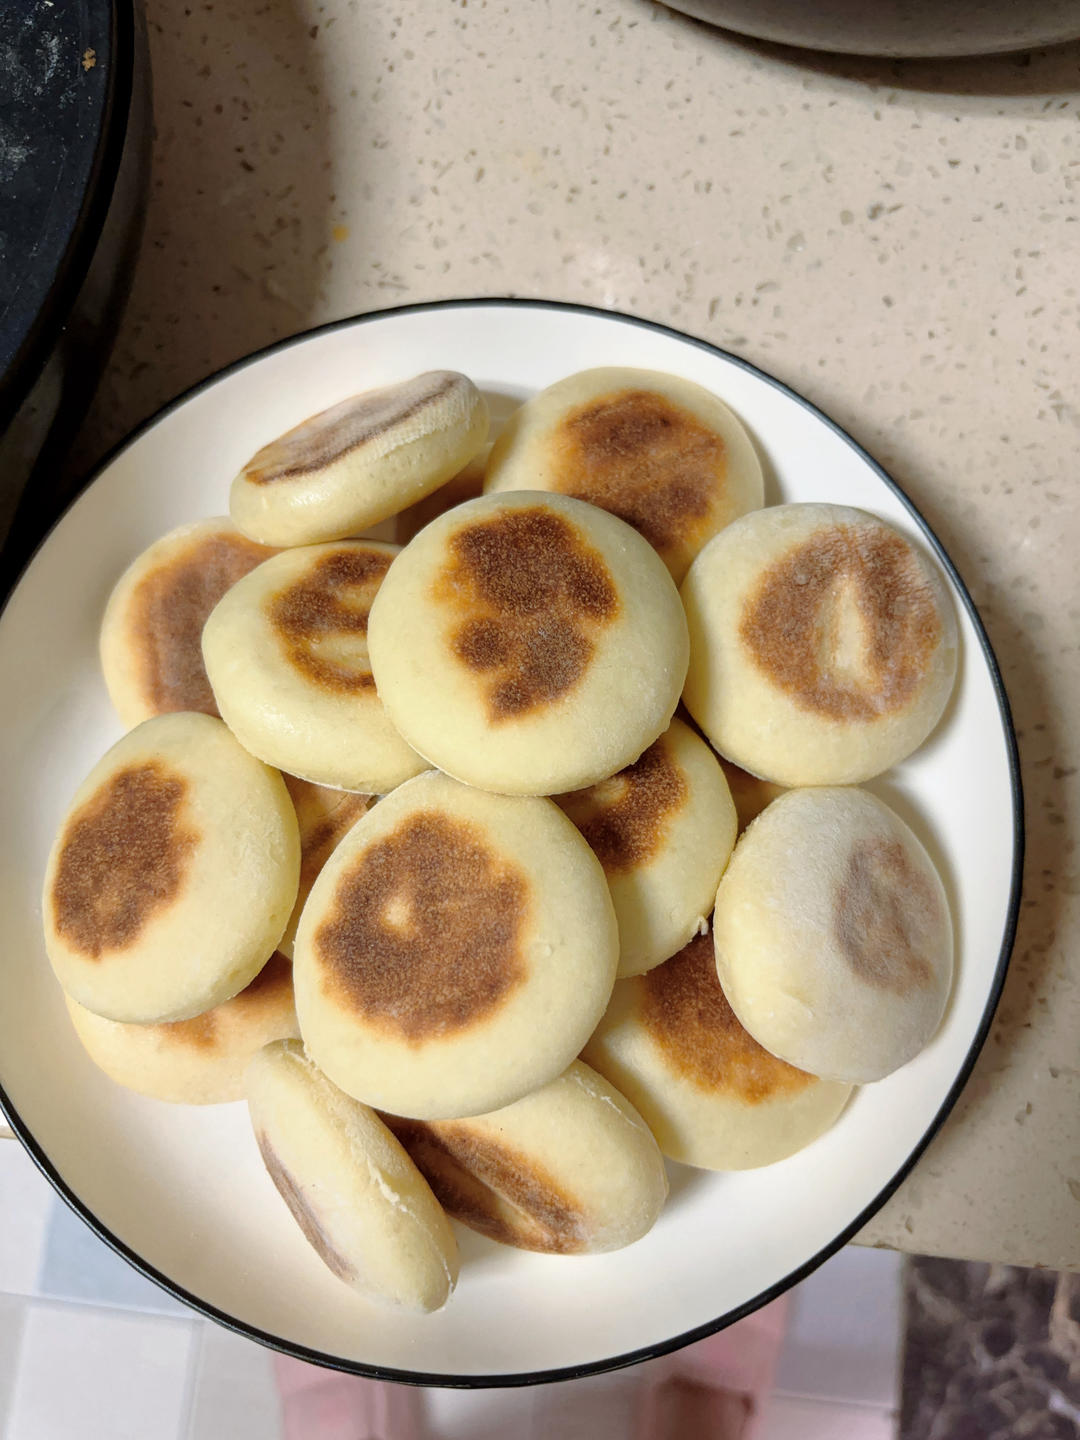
x,y
571,1169
361,461
199,1061
362,1205
708,1091
528,643
833,935
823,644
455,952
172,875
151,634
662,453
286,652
663,830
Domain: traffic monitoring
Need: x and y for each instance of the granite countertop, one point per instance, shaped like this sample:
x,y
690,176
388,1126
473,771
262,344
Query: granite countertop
x,y
899,242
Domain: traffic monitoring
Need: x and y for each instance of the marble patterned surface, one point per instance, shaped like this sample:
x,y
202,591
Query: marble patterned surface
x,y
992,1352
897,241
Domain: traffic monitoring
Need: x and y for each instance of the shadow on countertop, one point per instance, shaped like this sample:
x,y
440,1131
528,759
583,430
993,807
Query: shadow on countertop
x,y
1052,72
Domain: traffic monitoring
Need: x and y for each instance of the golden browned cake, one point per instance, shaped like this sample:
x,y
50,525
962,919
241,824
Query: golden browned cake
x,y
571,1169
172,875
709,1092
663,830
360,461
823,645
287,654
528,643
151,635
833,934
199,1061
455,952
358,1199
658,451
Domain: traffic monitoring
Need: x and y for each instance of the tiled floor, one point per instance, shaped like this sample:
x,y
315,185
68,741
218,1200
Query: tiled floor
x,y
233,1390
90,1349
88,1372
11,1327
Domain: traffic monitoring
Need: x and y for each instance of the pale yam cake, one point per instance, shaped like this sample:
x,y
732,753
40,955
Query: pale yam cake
x,y
360,461
833,935
151,633
286,651
172,875
711,1095
662,453
571,1169
663,829
200,1061
823,644
528,643
361,1203
456,951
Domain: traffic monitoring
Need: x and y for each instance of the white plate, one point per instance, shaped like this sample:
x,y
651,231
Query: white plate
x,y
181,1192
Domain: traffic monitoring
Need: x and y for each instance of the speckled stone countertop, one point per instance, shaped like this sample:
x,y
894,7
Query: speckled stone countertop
x,y
898,242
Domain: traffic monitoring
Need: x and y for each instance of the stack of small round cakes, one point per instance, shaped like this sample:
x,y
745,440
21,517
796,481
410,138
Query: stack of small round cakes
x,y
407,845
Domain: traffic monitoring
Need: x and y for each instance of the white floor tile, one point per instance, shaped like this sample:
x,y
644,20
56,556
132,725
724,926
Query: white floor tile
x,y
479,1415
99,1375
602,1407
235,1393
76,1265
791,1419
25,1202
843,1340
599,1408
11,1327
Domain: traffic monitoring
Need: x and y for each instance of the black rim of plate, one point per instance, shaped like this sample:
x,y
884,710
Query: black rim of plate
x,y
700,1332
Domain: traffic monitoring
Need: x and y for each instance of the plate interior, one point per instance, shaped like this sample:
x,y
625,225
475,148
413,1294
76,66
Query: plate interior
x,y
184,1188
